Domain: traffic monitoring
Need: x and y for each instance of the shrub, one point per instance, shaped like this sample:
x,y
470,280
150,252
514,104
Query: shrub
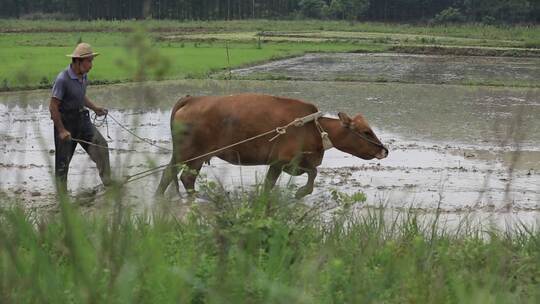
x,y
449,15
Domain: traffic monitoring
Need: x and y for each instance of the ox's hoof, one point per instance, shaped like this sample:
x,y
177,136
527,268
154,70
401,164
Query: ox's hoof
x,y
303,191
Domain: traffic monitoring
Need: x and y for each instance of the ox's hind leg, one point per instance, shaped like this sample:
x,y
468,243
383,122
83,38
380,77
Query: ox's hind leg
x,y
189,175
169,175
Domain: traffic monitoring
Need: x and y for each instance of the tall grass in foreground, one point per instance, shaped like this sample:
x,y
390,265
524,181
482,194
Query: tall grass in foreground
x,y
259,248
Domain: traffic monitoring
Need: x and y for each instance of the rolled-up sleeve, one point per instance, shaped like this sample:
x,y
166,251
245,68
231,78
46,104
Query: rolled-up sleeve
x,y
59,88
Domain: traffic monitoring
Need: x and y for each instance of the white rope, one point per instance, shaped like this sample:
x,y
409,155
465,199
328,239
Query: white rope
x,y
103,147
280,130
137,136
302,121
298,122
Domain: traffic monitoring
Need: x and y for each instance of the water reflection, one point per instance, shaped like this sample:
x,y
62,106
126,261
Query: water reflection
x,y
464,115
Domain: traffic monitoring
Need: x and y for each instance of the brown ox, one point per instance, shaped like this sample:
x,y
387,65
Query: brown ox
x,y
201,125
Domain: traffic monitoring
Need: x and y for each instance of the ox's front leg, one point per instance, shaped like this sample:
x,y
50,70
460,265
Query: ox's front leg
x,y
308,187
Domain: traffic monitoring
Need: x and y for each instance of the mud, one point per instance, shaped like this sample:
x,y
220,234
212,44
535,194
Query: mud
x,y
466,51
456,149
408,68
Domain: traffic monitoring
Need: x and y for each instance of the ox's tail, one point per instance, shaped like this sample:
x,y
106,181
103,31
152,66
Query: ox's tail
x,y
171,172
180,103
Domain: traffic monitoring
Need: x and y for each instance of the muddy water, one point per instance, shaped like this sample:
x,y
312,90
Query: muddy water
x,y
403,68
463,148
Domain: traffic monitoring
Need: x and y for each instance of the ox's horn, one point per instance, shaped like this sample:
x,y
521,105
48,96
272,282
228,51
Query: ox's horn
x,y
345,119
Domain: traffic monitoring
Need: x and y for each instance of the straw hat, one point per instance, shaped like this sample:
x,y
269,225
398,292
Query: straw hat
x,y
83,50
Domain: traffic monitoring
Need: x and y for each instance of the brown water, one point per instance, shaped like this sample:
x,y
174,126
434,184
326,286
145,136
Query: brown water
x,y
457,146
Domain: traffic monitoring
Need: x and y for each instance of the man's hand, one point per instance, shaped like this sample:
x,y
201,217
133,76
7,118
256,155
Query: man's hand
x,y
64,135
100,111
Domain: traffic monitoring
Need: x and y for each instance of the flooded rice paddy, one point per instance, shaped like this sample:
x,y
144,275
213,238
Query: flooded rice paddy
x,y
407,68
457,148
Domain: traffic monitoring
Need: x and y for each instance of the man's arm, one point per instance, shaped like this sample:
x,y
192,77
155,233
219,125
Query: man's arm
x,y
54,108
99,110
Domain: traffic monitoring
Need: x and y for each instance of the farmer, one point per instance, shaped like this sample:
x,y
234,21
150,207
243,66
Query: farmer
x,y
72,121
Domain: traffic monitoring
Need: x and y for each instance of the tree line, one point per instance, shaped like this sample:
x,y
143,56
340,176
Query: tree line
x,y
438,11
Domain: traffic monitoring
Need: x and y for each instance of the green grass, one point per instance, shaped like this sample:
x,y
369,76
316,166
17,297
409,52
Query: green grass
x,y
480,31
33,60
236,250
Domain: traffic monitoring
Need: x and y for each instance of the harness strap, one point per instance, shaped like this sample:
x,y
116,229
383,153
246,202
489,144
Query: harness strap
x,y
327,143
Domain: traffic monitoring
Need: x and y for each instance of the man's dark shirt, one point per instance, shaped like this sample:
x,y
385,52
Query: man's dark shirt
x,y
69,90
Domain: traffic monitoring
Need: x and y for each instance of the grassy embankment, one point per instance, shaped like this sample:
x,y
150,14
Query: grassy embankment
x,y
33,52
527,35
238,251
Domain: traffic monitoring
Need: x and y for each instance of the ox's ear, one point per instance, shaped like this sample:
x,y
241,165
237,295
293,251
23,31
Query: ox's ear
x,y
345,119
